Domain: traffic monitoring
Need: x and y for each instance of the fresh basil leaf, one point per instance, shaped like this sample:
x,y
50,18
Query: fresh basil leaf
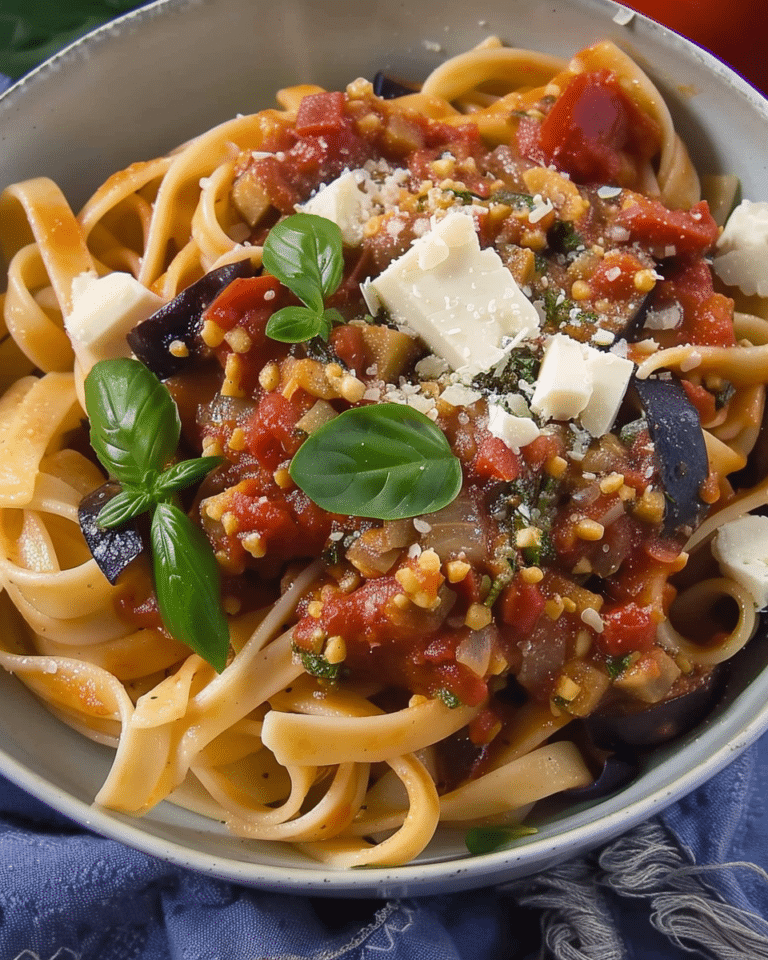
x,y
487,839
123,507
135,426
297,324
187,584
305,253
184,474
331,316
386,461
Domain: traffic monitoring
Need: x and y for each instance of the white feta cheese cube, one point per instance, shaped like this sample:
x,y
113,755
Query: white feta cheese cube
x,y
564,384
741,549
742,249
516,432
610,376
346,202
104,310
461,300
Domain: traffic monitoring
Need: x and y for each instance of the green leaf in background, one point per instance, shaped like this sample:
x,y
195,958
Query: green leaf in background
x,y
187,584
386,461
33,30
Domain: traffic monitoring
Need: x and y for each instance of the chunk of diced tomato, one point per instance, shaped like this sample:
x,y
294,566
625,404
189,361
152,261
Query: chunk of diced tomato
x,y
520,605
320,113
496,461
627,628
676,231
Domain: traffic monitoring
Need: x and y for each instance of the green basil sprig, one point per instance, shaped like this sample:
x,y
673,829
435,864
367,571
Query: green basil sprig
x,y
386,461
304,252
135,430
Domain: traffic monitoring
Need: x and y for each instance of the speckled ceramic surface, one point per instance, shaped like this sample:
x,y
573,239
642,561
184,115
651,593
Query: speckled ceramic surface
x,y
140,85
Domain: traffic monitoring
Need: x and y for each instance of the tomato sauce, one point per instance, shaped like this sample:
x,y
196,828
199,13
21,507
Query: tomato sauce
x,y
557,553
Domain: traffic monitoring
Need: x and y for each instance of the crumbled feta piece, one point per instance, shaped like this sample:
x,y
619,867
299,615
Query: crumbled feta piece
x,y
577,381
742,249
104,310
516,432
460,396
461,300
346,201
610,376
563,387
741,549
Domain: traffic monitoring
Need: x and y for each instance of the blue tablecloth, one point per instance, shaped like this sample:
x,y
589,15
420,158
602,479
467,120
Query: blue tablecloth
x,y
692,879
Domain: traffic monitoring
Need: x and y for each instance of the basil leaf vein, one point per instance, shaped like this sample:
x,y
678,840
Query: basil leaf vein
x,y
187,582
135,426
386,461
296,324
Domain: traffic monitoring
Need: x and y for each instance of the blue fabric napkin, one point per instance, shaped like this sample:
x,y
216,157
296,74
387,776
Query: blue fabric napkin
x,y
690,881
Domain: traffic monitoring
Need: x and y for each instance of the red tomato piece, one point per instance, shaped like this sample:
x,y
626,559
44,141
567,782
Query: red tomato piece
x,y
243,296
496,461
320,113
680,231
520,606
595,133
348,344
626,628
707,316
702,399
607,282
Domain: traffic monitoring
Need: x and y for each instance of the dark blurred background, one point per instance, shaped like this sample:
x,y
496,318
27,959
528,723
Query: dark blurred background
x,y
736,30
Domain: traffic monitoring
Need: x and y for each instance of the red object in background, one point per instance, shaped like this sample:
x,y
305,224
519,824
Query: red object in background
x,y
735,31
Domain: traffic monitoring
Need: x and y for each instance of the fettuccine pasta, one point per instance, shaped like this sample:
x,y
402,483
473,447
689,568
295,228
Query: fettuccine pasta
x,y
389,675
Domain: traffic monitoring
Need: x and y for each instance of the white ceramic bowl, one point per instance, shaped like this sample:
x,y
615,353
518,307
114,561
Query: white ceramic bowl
x,y
137,87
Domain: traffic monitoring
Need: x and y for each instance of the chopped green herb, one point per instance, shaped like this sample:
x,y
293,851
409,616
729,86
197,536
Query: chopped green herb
x,y
466,196
560,310
617,665
512,199
564,238
498,584
317,666
449,699
723,395
487,839
521,364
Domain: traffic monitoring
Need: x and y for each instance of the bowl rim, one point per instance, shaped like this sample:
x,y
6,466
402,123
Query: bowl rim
x,y
744,720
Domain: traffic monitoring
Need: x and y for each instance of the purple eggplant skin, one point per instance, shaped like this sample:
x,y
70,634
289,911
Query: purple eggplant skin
x,y
675,429
114,549
614,728
389,89
180,321
619,770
